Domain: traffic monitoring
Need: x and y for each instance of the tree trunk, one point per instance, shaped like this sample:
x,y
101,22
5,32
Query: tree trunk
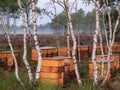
x,y
95,43
73,39
101,47
36,42
31,81
12,51
109,49
68,40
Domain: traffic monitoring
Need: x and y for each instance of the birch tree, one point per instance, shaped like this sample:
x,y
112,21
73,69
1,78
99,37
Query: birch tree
x,y
65,6
68,30
111,36
36,41
31,81
69,22
77,28
95,42
12,51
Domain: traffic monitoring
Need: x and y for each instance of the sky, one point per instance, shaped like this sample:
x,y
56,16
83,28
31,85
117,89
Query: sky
x,y
45,4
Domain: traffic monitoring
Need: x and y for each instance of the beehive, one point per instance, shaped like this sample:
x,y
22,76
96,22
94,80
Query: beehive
x,y
98,49
46,52
105,49
63,51
52,71
118,47
7,55
84,51
69,70
99,65
115,48
70,61
114,57
90,47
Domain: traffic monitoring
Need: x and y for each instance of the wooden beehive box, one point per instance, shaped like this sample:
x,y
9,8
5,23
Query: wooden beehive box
x,y
69,70
70,61
99,64
98,49
52,71
114,57
105,49
46,52
119,47
115,48
63,51
9,58
90,47
84,51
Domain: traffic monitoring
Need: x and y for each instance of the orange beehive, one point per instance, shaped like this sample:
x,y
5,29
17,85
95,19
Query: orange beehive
x,y
52,71
63,51
70,61
53,62
51,75
34,55
90,47
99,65
84,51
98,49
9,58
52,81
115,48
105,49
114,57
118,47
46,52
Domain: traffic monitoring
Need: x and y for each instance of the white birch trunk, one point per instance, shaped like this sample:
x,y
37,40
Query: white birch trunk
x,y
78,37
12,51
73,39
36,42
68,39
95,43
109,50
31,81
106,35
101,47
15,25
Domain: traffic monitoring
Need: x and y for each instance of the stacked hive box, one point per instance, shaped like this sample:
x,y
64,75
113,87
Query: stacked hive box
x,y
114,57
7,58
99,65
63,51
69,70
46,52
52,71
90,47
98,49
118,47
57,70
83,51
115,48
114,60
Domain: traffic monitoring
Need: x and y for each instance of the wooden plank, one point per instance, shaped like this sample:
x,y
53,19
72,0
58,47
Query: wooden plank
x,y
91,70
52,69
114,57
52,81
52,62
51,75
70,61
9,57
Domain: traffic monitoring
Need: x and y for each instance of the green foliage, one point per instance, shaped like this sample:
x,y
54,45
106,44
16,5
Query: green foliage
x,y
10,5
80,20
